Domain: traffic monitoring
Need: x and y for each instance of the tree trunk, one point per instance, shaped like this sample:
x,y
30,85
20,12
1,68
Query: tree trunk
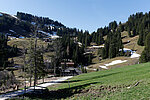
x,y
54,71
43,79
30,81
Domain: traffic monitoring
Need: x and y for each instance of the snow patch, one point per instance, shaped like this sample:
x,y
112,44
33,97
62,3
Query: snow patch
x,y
113,63
14,16
135,55
98,46
104,67
116,62
41,31
12,31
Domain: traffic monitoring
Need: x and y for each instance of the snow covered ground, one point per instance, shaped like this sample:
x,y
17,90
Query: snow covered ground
x,y
12,31
135,55
116,62
104,67
14,16
20,92
113,63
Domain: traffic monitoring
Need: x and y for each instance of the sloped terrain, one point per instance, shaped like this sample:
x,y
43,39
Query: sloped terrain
x,y
129,82
129,43
21,25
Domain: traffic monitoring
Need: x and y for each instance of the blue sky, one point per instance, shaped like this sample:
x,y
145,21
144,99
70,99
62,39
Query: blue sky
x,y
82,14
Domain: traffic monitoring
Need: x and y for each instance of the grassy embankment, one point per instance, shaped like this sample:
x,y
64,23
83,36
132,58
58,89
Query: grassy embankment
x,y
107,84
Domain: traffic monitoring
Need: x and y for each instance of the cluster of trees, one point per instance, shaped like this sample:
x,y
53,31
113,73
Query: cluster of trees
x,y
145,56
3,51
25,26
40,20
113,44
138,24
34,66
73,51
6,23
6,51
97,37
7,78
72,31
82,37
43,22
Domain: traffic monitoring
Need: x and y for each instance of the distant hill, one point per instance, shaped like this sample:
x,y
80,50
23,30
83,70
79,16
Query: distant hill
x,y
22,25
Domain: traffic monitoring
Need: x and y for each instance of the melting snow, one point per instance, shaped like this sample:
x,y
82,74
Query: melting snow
x,y
116,62
104,67
12,31
14,16
113,63
135,55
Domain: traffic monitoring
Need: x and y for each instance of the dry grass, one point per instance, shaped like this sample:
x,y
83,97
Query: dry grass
x,y
106,61
21,43
131,61
133,42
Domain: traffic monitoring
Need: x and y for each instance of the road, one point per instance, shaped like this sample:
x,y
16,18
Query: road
x,y
20,92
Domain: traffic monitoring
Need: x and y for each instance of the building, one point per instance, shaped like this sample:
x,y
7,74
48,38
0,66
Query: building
x,y
68,64
71,71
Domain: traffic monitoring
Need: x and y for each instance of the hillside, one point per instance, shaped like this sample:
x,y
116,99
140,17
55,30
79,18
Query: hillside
x,y
128,43
114,84
23,25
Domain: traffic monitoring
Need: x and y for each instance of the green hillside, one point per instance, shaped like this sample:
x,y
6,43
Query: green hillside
x,y
109,84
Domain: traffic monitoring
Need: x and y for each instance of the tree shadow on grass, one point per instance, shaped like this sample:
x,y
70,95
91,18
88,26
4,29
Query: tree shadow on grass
x,y
100,76
61,93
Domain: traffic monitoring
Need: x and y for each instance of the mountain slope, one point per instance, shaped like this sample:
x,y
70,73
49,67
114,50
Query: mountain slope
x,y
23,25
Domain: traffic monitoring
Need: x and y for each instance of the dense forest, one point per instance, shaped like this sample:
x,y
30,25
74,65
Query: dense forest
x,y
138,24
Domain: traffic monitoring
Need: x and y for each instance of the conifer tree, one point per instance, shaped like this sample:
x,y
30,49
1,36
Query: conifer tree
x,y
145,56
3,51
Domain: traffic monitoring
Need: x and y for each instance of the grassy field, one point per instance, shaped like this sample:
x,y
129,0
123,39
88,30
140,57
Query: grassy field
x,y
133,42
25,43
108,84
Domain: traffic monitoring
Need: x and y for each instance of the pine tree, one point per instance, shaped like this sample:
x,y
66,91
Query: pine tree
x,y
140,40
3,51
58,54
145,56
